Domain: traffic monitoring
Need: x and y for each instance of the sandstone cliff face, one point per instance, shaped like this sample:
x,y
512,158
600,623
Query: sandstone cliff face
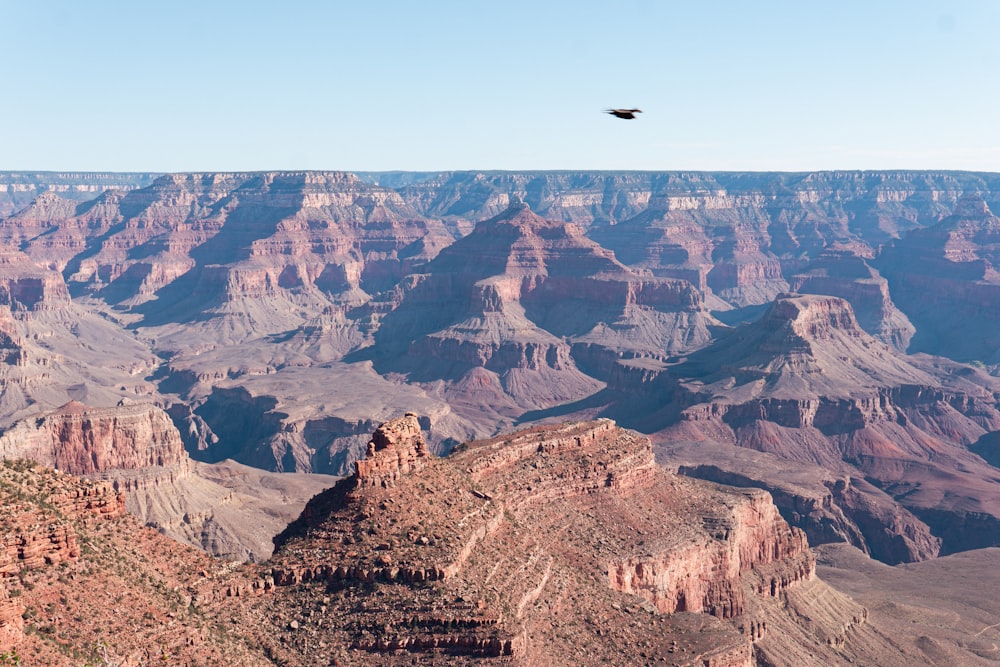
x,y
137,449
737,237
579,197
130,596
705,576
803,211
84,441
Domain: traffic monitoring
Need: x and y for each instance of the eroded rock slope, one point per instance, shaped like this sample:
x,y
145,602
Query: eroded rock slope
x,y
546,546
804,383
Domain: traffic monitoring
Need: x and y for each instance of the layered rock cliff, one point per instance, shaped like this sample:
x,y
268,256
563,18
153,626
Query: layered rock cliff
x,y
504,305
93,585
18,189
530,548
86,441
26,286
850,277
226,237
945,278
805,383
136,448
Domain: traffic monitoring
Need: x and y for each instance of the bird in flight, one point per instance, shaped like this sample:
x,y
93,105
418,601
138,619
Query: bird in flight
x,y
627,114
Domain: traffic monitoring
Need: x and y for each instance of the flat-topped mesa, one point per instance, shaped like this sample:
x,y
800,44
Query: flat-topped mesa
x,y
497,453
813,316
397,448
746,543
566,460
472,552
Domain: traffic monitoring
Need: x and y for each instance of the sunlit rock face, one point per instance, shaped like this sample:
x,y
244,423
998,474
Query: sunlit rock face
x,y
724,555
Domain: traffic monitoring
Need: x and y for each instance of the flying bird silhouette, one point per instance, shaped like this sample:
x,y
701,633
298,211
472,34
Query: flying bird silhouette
x,y
627,114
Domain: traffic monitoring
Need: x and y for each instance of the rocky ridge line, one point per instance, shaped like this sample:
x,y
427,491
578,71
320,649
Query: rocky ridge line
x,y
414,527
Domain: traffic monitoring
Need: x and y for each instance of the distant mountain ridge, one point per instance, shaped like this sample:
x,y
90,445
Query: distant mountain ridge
x,y
19,188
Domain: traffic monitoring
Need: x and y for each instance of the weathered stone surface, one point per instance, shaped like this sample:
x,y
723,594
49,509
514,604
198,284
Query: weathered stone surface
x,y
25,286
82,580
18,189
572,530
850,277
11,622
945,278
501,308
397,448
805,383
85,440
136,448
562,549
705,576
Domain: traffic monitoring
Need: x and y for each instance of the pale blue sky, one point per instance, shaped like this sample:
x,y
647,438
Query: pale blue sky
x,y
434,85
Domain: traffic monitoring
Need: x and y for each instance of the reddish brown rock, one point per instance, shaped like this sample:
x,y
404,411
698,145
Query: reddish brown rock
x,y
269,285
705,576
25,286
850,277
535,546
11,622
805,383
81,579
397,448
137,448
84,440
18,189
521,552
500,308
946,279
37,536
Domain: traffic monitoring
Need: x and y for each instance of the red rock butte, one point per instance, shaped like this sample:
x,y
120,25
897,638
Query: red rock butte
x,y
549,545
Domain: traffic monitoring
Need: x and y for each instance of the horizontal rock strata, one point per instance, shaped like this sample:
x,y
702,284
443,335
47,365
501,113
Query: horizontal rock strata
x,y
480,526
